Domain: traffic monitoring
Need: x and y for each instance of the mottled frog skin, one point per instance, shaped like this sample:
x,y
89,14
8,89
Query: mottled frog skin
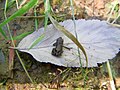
x,y
58,50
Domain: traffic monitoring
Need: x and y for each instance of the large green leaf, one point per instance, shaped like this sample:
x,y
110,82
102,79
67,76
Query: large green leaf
x,y
69,35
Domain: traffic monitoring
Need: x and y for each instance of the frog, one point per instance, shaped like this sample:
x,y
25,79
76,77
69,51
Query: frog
x,y
58,50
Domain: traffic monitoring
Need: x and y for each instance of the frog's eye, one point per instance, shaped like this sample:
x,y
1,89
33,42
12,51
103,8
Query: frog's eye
x,y
54,44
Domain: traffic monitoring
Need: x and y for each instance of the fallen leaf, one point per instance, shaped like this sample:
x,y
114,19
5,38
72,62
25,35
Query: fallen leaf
x,y
100,41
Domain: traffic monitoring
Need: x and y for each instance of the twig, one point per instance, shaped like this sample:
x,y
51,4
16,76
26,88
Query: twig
x,y
115,25
42,16
17,4
116,19
111,11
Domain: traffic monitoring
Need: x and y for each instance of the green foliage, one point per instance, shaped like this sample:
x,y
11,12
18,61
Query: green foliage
x,y
20,12
10,3
37,41
22,35
114,6
47,10
3,33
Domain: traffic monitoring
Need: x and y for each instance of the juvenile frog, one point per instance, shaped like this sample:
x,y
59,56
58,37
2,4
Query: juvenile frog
x,y
58,50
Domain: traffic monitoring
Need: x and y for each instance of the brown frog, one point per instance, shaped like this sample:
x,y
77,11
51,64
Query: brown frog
x,y
58,50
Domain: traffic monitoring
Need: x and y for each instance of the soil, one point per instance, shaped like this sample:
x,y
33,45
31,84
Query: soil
x,y
49,75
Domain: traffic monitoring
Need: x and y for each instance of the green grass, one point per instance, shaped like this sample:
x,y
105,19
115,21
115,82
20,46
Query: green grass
x,y
20,12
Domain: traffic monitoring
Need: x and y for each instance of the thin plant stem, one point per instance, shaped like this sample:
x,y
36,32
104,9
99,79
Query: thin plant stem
x,y
73,16
110,76
112,10
17,4
116,19
115,25
36,20
42,16
14,44
8,28
24,66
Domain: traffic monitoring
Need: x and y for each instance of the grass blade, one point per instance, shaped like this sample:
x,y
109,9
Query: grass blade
x,y
47,10
20,12
73,16
3,33
46,21
112,10
69,35
22,35
36,20
13,43
110,76
10,3
37,41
